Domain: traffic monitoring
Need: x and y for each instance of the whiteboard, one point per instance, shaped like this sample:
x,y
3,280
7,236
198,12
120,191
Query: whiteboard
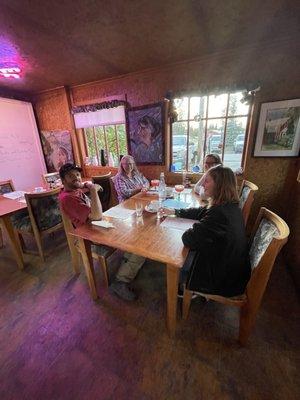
x,y
21,156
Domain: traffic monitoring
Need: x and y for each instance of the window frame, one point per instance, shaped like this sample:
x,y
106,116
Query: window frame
x,y
105,140
206,119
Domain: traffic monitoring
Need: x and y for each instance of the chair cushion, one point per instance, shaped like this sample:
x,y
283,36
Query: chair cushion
x,y
46,211
245,193
21,221
263,237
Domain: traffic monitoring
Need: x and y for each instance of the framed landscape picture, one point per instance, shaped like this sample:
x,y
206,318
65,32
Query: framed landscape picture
x,y
145,133
278,132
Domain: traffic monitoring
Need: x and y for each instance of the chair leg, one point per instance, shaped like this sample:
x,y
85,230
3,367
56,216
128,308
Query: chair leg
x,y
40,247
186,303
103,264
21,241
247,322
1,239
75,254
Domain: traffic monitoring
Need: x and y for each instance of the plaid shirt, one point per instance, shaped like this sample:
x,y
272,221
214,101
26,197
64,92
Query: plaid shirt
x,y
125,186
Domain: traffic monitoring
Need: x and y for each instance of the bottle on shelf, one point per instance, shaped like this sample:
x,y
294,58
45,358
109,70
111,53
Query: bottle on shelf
x,y
102,158
162,187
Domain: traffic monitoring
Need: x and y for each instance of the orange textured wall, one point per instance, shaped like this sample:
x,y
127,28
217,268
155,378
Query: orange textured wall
x,y
53,113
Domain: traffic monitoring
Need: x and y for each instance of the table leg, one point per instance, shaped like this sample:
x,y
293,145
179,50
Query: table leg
x,y
14,242
172,290
86,253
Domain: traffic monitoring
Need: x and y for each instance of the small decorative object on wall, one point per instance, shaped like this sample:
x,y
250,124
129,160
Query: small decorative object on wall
x,y
145,133
57,149
278,132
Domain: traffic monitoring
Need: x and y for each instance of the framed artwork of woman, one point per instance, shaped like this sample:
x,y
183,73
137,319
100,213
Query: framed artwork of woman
x,y
145,133
57,148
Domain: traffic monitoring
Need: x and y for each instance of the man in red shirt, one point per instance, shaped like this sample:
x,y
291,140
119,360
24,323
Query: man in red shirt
x,y
80,209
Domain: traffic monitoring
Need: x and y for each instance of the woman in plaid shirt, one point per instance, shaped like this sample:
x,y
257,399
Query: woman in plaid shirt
x,y
129,181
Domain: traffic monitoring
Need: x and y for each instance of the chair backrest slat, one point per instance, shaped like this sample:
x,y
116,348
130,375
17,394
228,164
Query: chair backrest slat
x,y
105,195
246,198
269,235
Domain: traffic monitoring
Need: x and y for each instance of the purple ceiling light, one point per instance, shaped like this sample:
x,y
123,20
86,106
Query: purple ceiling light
x,y
9,60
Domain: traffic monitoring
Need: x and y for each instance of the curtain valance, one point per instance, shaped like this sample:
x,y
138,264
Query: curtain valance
x,y
106,113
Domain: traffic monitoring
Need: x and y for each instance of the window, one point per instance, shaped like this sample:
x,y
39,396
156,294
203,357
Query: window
x,y
209,124
110,138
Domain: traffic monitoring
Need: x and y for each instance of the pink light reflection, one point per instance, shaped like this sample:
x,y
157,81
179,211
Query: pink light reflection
x,y
10,60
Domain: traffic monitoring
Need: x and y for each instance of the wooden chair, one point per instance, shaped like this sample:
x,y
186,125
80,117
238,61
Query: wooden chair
x,y
105,194
51,178
247,192
269,235
43,217
5,187
100,253
113,197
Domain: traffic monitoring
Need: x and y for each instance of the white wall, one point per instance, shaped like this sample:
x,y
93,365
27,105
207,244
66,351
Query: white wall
x,y
21,156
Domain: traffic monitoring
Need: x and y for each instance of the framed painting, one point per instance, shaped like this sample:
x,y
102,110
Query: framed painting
x,y
57,148
145,127
278,131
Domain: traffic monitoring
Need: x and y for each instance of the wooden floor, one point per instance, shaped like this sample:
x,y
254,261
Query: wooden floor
x,y
56,343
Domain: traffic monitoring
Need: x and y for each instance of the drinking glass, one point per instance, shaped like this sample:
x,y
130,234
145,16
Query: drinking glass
x,y
139,209
155,183
179,189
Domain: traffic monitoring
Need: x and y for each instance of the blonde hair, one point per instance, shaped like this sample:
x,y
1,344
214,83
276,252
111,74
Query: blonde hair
x,y
225,190
124,159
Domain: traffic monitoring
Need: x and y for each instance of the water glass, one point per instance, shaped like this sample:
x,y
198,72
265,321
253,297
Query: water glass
x,y
139,209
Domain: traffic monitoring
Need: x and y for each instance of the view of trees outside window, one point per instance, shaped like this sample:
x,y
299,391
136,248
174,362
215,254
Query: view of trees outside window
x,y
111,139
209,124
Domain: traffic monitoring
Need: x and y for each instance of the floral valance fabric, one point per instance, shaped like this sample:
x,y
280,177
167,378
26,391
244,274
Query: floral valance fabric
x,y
99,106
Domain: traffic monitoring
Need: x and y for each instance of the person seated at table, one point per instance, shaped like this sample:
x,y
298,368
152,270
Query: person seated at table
x,y
129,181
210,160
218,261
80,209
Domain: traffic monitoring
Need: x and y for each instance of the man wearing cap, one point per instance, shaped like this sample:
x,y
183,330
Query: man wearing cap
x,y
80,209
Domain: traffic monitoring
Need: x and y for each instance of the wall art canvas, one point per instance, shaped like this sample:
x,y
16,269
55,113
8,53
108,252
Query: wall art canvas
x,y
57,148
145,133
278,132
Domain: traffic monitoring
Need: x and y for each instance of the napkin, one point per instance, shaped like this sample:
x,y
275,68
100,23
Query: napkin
x,y
103,224
119,212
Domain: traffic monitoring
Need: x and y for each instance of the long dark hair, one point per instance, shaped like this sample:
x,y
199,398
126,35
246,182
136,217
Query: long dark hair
x,y
225,185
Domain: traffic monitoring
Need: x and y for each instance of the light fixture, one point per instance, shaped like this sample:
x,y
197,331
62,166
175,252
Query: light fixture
x,y
10,72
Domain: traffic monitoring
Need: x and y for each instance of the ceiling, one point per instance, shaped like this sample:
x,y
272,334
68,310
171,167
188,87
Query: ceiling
x,y
71,42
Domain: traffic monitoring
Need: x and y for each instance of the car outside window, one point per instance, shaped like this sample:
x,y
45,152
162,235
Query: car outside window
x,y
209,124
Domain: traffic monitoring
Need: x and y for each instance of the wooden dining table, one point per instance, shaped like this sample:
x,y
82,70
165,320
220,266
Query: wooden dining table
x,y
7,208
143,236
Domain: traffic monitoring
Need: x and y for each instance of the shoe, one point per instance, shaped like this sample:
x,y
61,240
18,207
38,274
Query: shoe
x,y
122,290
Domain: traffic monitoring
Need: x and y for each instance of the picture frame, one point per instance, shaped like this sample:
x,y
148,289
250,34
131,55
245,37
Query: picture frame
x,y
145,126
57,149
278,131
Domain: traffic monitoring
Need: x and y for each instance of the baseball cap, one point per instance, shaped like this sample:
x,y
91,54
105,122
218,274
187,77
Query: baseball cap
x,y
67,168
